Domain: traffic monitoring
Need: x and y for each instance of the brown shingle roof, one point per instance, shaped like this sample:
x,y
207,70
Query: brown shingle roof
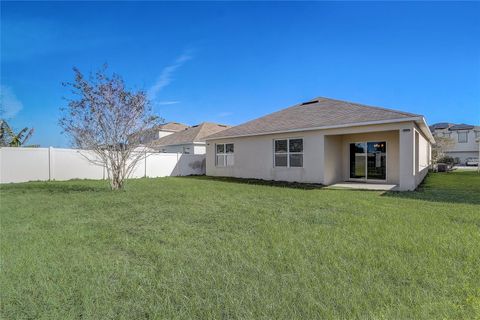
x,y
317,113
171,126
191,134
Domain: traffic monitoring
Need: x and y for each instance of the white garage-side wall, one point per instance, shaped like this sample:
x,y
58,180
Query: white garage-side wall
x,y
325,157
191,148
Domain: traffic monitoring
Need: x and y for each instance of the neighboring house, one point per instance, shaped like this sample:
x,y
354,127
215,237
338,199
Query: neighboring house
x,y
190,140
160,131
464,139
325,141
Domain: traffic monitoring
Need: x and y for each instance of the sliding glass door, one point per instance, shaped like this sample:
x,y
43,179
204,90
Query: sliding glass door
x,y
368,160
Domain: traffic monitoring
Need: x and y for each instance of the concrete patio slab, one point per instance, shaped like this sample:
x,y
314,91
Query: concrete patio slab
x,y
363,186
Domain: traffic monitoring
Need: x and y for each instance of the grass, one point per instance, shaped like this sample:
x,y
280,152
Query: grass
x,y
182,248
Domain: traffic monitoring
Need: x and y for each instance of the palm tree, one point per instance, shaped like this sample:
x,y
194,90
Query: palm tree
x,y
8,138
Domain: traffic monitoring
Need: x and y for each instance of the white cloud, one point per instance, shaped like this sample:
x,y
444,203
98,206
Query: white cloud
x,y
166,75
9,104
166,103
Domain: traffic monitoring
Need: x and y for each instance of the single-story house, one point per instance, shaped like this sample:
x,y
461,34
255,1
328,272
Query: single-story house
x,y
325,141
190,140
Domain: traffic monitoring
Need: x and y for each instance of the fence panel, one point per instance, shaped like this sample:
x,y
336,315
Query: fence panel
x,y
69,164
31,164
24,164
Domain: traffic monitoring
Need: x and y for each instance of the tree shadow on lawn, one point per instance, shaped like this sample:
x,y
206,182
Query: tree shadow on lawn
x,y
56,186
260,182
456,187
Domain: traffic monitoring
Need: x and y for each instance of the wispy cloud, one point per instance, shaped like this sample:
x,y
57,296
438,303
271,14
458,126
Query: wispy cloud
x,y
224,114
166,103
9,104
166,76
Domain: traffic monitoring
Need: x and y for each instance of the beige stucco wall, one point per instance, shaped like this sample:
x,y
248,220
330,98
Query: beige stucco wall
x,y
326,155
392,140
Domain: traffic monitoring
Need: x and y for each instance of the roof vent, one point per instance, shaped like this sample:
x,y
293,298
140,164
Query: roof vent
x,y
309,102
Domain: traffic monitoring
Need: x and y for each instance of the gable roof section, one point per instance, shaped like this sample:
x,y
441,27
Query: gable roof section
x,y
171,126
317,113
191,134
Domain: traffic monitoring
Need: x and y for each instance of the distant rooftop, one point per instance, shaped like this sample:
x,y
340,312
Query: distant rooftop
x,y
196,133
451,126
171,126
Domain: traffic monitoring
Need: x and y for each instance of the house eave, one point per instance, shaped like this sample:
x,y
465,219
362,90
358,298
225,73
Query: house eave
x,y
420,120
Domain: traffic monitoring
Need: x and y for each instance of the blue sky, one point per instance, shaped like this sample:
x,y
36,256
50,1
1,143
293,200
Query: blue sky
x,y
230,62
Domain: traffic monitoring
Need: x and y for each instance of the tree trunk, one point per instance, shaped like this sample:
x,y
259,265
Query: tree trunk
x,y
116,182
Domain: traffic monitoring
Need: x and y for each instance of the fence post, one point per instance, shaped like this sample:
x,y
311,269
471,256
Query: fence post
x,y
145,169
50,165
178,166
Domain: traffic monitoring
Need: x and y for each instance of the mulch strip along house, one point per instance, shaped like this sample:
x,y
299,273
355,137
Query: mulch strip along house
x,y
325,141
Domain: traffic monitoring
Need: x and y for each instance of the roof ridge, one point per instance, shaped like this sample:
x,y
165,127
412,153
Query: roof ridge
x,y
369,106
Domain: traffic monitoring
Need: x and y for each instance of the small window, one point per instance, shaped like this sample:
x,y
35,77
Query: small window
x,y
462,137
224,155
288,153
477,134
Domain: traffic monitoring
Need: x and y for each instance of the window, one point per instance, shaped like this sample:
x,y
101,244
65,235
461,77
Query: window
x,y
477,134
462,136
288,153
224,155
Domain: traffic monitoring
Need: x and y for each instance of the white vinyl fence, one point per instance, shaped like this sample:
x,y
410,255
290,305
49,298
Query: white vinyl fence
x,y
42,164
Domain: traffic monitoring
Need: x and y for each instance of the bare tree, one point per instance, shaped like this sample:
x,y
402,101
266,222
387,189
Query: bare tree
x,y
106,118
442,144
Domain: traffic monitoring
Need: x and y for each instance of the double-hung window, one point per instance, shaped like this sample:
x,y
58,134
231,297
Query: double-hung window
x,y
224,154
462,136
288,153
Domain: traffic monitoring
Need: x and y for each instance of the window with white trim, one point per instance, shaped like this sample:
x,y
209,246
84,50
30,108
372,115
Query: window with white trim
x,y
462,136
288,153
224,155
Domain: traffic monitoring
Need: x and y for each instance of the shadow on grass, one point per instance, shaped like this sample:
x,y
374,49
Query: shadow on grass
x,y
453,187
260,182
57,186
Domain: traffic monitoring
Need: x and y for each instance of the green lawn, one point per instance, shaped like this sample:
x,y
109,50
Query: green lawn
x,y
196,247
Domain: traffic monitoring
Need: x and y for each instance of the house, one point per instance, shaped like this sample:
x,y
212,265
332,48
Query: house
x,y
464,139
190,140
325,141
160,131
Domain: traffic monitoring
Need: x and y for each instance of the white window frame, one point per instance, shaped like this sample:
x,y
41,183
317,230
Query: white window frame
x,y
288,153
224,154
466,136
